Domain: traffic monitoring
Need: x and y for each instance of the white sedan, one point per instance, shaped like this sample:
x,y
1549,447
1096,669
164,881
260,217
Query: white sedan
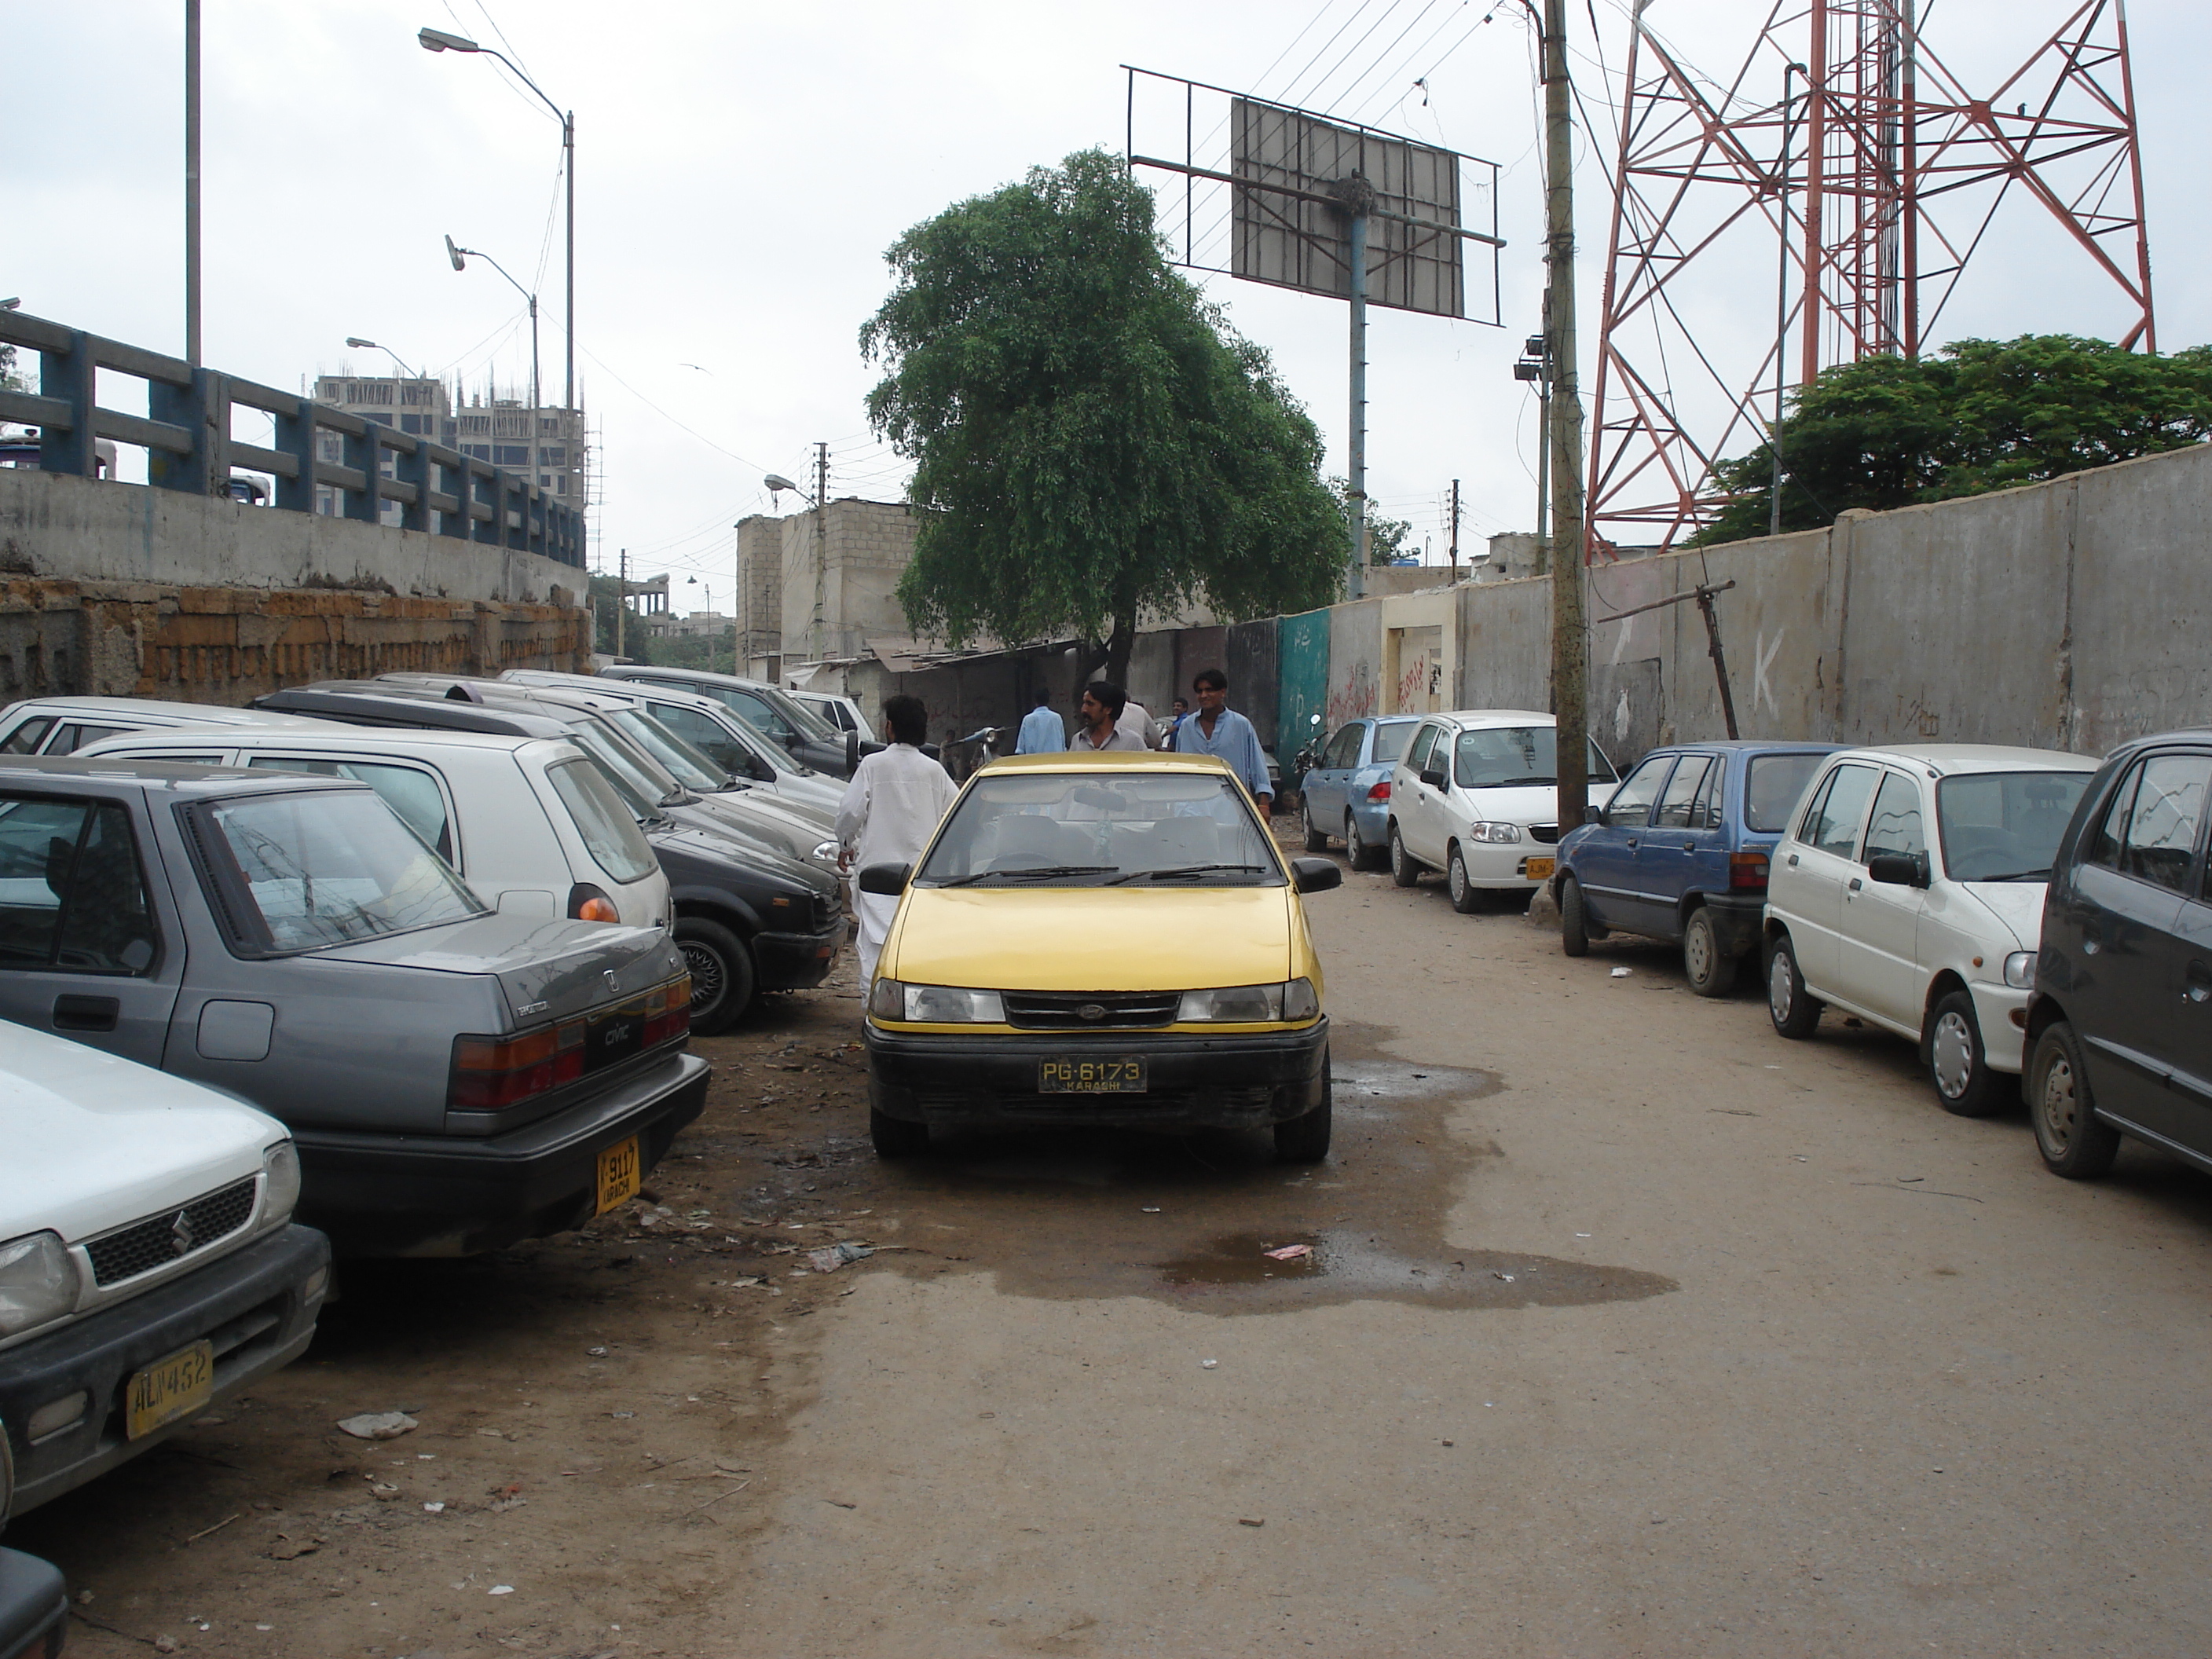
x,y
1932,937
1475,795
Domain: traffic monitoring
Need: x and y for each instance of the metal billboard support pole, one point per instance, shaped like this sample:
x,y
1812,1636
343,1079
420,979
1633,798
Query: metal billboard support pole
x,y
1358,198
193,183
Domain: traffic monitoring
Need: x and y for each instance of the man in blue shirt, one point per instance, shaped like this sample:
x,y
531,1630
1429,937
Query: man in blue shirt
x,y
1042,732
1217,729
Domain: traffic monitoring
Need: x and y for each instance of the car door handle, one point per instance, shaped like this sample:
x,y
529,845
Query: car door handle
x,y
81,1013
1631,840
1854,883
2197,983
1793,861
1689,846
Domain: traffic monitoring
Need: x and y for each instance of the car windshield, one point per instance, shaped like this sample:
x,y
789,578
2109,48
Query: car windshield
x,y
686,764
808,721
636,776
1390,741
1515,758
318,868
1776,783
2005,826
1101,828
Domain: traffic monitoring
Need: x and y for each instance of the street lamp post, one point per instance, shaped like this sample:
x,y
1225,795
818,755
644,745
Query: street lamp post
x,y
460,256
359,344
439,40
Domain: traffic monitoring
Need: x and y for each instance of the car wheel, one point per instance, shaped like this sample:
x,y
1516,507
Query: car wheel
x,y
897,1136
1315,842
1403,871
1305,1140
1360,855
1466,896
722,977
1710,968
2075,1142
1574,926
1793,1010
1956,1065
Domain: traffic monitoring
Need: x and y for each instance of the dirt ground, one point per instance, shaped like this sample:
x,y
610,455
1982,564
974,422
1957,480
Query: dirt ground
x,y
1627,1329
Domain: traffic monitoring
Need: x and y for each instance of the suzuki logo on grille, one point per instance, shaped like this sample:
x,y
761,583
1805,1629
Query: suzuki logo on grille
x,y
180,1233
1090,1011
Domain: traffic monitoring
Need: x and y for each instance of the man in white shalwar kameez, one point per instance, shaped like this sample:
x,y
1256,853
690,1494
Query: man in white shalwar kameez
x,y
897,798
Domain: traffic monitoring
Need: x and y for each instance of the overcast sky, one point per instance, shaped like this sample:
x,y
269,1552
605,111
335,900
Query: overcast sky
x,y
742,169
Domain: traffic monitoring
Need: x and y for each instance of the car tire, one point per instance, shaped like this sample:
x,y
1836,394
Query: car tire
x,y
1794,1011
2075,1142
1315,841
1356,852
723,976
1712,970
1404,873
896,1138
1574,924
1466,896
1956,1065
1305,1140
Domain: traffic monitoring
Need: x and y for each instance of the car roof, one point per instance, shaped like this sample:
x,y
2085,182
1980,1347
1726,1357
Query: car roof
x,y
160,711
1075,760
1472,718
630,691
367,706
172,776
1738,745
1950,759
625,670
379,739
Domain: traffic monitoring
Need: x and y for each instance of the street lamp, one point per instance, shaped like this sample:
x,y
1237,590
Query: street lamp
x,y
1535,365
439,40
460,256
370,345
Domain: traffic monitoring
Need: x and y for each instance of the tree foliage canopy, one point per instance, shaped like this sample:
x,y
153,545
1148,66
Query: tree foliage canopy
x,y
1091,438
1982,415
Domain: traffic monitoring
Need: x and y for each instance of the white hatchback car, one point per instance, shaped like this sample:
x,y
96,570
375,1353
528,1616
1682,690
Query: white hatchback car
x,y
1931,936
1476,795
531,823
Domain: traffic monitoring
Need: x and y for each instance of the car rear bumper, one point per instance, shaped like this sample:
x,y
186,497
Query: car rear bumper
x,y
1240,1081
1737,919
455,1196
796,961
256,1307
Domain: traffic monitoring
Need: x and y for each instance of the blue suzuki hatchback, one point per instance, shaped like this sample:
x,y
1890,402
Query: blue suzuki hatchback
x,y
1680,853
1346,789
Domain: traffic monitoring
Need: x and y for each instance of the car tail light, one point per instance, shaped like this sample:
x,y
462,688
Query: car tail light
x,y
492,1073
1380,790
589,903
1747,869
668,1011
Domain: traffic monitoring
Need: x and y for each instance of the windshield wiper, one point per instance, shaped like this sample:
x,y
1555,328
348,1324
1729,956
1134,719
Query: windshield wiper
x,y
2043,874
1512,783
1038,873
1180,870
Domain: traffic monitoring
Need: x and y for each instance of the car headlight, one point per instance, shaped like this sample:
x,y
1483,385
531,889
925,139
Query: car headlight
x,y
1249,1004
280,1182
935,1005
38,1282
1483,830
827,852
2019,970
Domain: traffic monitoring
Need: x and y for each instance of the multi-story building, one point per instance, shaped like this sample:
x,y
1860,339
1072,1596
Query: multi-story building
x,y
551,446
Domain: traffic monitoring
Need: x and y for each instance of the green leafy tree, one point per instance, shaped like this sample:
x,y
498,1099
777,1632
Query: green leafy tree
x,y
1981,415
1091,438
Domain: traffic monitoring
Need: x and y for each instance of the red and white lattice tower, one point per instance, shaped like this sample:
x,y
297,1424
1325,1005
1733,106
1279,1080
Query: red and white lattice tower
x,y
1894,171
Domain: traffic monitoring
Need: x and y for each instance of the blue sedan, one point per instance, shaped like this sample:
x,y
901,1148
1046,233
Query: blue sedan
x,y
1680,853
1347,789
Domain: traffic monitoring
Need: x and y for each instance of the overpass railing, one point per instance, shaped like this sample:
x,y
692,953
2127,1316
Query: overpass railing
x,y
186,433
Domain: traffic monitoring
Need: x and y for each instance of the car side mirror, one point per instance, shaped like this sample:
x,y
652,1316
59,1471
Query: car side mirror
x,y
851,753
1593,814
885,881
1315,875
1433,777
1900,869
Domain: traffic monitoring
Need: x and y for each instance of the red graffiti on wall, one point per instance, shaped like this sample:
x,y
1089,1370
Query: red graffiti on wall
x,y
1353,695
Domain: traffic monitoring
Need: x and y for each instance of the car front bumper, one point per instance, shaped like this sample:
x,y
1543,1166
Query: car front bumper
x,y
797,961
2004,1043
1505,864
458,1194
256,1307
1241,1080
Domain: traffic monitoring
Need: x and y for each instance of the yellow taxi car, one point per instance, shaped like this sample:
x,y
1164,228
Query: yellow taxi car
x,y
1100,940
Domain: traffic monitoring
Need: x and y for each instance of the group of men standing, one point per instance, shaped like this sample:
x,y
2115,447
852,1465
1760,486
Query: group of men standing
x,y
1108,718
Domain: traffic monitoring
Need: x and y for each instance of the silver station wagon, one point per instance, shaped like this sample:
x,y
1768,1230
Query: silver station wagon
x,y
455,1078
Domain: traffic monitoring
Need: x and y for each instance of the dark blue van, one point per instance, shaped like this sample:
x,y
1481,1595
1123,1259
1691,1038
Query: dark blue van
x,y
1680,853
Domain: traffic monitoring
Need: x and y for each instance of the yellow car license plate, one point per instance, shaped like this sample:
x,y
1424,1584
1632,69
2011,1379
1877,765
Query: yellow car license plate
x,y
1538,870
619,1176
168,1389
1091,1077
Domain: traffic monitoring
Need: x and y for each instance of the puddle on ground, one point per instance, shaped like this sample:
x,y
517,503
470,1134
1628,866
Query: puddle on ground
x,y
1087,1213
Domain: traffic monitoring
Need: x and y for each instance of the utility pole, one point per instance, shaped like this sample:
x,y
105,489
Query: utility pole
x,y
821,551
191,186
622,603
1569,643
1455,530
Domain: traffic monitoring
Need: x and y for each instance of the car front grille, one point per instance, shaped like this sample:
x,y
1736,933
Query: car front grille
x,y
1090,1011
161,1239
1547,833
